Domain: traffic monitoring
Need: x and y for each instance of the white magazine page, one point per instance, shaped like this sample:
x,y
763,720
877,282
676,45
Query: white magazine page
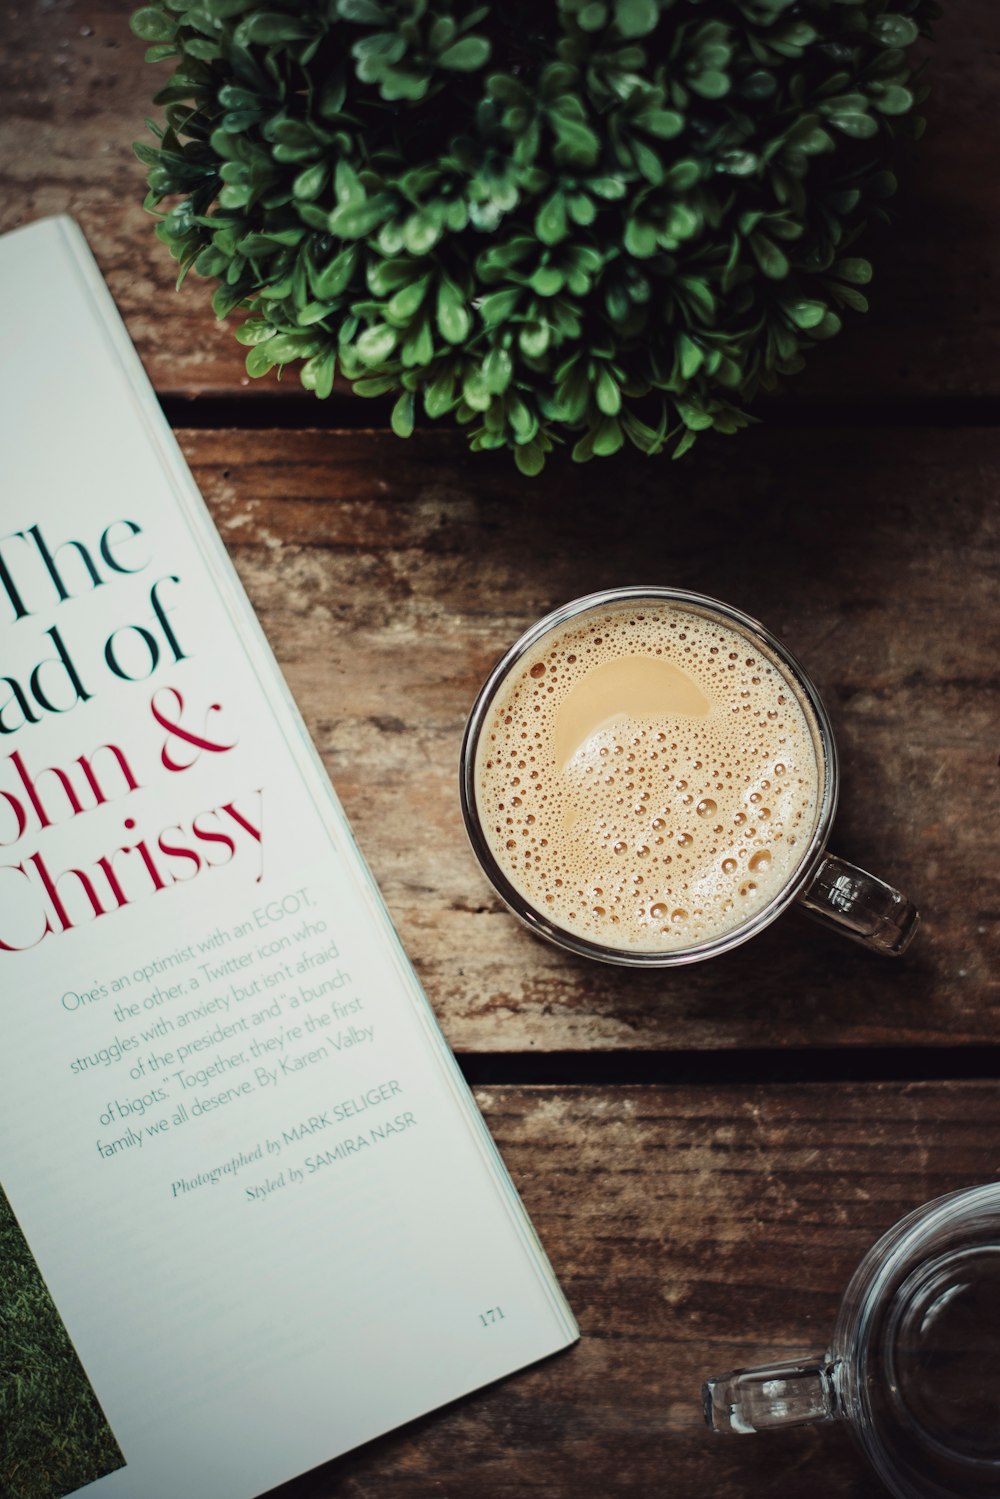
x,y
267,1212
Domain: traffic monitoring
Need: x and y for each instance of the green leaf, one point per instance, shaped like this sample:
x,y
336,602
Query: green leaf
x,y
267,27
318,372
806,314
772,261
710,85
153,25
225,298
466,56
892,99
347,185
355,220
640,239
576,144
330,280
582,210
608,188
683,175
407,300
202,48
686,443
498,367
530,458
497,307
259,361
418,350
439,396
550,221
894,31
148,155
547,281
607,394
524,424
700,296
853,269
593,16
285,347
858,126
636,17
312,313
382,47
648,161
848,296
370,386
376,344
691,356
255,331
311,182
402,419
453,317
367,12
533,339
608,437
421,233
664,123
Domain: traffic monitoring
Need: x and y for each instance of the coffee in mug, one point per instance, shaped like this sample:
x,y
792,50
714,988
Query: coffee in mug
x,y
648,776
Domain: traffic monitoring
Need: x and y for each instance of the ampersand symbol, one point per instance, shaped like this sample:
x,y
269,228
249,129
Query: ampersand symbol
x,y
176,730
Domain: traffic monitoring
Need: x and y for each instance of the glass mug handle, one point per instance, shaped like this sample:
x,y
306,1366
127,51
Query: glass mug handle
x,y
791,1394
859,906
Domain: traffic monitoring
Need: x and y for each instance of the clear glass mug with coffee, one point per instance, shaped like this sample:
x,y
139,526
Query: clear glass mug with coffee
x,y
914,1362
649,778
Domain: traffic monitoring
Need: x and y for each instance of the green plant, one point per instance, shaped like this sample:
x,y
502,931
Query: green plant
x,y
610,219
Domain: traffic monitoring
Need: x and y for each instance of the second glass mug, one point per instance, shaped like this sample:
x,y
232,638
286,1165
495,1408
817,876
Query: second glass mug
x,y
836,893
914,1361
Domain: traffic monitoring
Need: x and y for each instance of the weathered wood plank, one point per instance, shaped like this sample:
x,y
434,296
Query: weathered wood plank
x,y
74,90
390,575
693,1231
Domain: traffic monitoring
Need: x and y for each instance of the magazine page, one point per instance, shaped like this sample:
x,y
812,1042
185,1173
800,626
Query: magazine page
x,y
257,1215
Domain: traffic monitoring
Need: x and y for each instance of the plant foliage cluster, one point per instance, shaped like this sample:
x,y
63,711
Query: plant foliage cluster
x,y
601,220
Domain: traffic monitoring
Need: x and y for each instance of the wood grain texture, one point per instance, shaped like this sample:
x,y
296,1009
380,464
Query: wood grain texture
x,y
693,1231
74,91
389,576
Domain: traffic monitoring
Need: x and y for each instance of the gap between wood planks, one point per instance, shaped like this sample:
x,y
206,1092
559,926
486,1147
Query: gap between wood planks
x,y
876,1064
264,412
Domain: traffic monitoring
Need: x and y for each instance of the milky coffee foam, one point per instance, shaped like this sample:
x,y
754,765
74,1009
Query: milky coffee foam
x,y
647,778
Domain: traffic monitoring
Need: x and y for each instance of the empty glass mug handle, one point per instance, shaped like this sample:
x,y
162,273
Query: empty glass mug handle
x,y
789,1394
859,906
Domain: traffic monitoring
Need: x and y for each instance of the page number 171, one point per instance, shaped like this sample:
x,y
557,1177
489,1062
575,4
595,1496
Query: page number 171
x,y
491,1317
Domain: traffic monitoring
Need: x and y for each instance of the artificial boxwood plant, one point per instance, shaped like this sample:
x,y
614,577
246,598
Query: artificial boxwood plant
x,y
568,220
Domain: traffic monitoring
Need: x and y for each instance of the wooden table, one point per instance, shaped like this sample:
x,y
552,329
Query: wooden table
x,y
705,1153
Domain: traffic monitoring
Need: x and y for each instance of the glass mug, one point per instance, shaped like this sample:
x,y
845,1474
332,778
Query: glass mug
x,y
914,1362
834,892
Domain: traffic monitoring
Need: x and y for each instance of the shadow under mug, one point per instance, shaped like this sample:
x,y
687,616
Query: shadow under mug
x,y
836,893
914,1362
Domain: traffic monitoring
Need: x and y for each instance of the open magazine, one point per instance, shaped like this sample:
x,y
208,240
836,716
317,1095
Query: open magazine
x,y
250,1215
